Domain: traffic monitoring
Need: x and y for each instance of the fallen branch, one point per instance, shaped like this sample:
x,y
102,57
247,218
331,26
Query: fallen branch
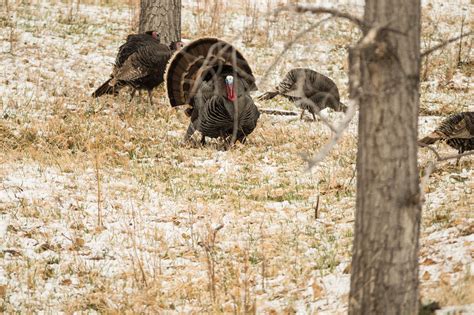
x,y
444,43
279,112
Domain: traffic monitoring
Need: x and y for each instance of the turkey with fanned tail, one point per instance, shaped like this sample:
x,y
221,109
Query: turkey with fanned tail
x,y
213,78
309,90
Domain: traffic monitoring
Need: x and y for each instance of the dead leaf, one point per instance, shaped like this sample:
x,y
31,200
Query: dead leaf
x,y
12,252
176,221
99,229
317,291
79,242
428,261
348,269
426,276
66,282
228,308
44,247
458,267
445,278
3,291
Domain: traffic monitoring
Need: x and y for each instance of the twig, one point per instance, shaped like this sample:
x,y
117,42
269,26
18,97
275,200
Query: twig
x,y
316,208
288,46
209,248
99,194
432,164
440,158
444,43
262,248
235,128
460,40
318,10
339,130
424,180
455,156
431,149
424,77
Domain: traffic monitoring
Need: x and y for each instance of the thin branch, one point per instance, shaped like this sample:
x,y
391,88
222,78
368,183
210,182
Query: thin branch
x,y
460,42
431,149
320,10
444,43
288,46
455,156
424,180
432,165
316,208
440,158
327,122
324,151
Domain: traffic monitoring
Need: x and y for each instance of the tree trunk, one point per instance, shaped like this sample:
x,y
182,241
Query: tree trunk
x,y
163,16
384,276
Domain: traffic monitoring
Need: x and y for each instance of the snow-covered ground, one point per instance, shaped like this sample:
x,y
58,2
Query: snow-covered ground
x,y
103,209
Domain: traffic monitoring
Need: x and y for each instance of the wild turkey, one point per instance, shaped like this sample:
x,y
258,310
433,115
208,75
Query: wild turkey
x,y
140,64
457,130
130,46
309,90
215,79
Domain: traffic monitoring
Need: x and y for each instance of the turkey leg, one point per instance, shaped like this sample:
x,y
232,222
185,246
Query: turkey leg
x,y
132,95
302,114
150,99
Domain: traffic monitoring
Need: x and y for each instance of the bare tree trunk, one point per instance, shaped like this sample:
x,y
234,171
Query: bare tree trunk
x,y
163,16
384,276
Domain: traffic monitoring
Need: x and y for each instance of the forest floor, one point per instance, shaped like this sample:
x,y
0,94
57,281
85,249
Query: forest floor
x,y
102,206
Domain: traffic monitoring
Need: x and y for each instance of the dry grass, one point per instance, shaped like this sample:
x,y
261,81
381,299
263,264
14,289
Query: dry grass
x,y
107,210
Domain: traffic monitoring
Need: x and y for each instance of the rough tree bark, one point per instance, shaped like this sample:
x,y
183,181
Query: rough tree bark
x,y
384,70
163,16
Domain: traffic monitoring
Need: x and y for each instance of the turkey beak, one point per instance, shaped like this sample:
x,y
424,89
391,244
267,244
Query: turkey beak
x,y
230,89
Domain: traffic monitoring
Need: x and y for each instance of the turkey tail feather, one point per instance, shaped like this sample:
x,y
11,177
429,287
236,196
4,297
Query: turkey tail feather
x,y
267,96
428,140
105,88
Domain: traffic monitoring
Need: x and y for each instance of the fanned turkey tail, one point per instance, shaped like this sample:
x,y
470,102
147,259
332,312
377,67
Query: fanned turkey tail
x,y
197,62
